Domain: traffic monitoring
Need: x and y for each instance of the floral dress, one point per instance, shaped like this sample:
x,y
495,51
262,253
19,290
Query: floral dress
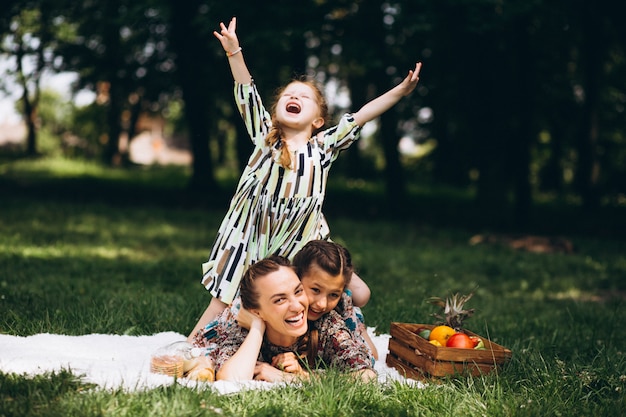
x,y
275,211
336,347
354,322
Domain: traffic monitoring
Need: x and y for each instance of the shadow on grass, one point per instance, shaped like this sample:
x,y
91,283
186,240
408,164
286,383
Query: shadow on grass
x,y
168,186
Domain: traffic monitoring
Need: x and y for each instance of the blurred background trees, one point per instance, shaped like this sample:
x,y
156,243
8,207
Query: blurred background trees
x,y
516,97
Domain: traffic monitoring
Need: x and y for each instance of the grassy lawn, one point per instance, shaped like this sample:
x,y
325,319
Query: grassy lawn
x,y
92,250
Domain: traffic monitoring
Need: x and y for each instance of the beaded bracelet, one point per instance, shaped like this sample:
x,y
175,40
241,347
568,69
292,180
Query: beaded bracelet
x,y
236,51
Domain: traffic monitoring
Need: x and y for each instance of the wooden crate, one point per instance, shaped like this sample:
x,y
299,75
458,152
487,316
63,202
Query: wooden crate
x,y
416,358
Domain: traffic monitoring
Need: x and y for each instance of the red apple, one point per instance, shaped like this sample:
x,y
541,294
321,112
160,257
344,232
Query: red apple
x,y
461,341
475,339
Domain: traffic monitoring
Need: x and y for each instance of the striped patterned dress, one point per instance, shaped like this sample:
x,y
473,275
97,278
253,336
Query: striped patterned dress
x,y
275,211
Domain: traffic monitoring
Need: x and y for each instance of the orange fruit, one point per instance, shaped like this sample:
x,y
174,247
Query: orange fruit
x,y
441,334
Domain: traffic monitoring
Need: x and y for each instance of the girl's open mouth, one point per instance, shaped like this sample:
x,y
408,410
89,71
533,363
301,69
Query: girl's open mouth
x,y
293,108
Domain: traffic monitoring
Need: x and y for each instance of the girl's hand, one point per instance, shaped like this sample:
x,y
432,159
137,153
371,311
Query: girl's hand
x,y
287,362
410,82
227,35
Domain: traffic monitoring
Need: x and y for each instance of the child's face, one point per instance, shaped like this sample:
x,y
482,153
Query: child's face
x,y
298,108
323,291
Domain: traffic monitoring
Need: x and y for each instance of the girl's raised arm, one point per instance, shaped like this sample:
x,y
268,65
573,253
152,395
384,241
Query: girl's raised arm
x,y
382,103
228,38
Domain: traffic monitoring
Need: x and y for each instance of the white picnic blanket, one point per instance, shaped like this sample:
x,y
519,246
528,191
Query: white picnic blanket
x,y
123,362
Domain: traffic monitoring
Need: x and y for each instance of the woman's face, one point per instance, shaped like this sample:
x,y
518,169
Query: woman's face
x,y
283,306
297,107
323,291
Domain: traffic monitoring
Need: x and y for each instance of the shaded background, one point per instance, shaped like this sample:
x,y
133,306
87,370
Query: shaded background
x,y
520,103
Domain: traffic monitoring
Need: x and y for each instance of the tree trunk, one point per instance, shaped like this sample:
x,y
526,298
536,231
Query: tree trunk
x,y
592,60
394,174
358,97
193,67
522,124
29,108
489,118
114,115
31,128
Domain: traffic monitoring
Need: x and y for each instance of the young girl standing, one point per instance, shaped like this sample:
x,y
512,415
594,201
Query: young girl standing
x,y
277,207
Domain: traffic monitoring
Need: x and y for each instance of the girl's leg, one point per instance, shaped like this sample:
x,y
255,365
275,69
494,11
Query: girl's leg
x,y
216,306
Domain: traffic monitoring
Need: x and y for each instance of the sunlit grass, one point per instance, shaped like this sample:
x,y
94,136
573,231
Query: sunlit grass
x,y
56,169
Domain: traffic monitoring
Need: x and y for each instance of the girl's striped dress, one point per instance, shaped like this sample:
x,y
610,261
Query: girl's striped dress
x,y
275,211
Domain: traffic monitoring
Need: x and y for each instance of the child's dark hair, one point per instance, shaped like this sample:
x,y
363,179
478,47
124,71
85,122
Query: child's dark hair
x,y
247,287
274,137
329,256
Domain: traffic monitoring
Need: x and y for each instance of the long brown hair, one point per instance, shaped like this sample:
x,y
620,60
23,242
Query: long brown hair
x,y
275,136
308,343
247,288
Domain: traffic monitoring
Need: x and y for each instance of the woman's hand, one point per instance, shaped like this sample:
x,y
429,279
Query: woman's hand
x,y
227,36
287,362
245,318
265,372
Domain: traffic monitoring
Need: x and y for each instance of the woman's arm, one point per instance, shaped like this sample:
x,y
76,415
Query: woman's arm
x,y
228,38
241,366
381,104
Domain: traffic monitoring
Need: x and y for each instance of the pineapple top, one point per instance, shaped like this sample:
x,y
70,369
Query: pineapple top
x,y
453,309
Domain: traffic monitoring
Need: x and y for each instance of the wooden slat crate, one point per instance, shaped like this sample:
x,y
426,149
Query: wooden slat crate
x,y
416,358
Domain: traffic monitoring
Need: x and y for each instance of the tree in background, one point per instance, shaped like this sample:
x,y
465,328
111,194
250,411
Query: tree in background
x,y
29,39
120,51
525,95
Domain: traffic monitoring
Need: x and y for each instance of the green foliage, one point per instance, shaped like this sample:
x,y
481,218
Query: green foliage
x,y
132,266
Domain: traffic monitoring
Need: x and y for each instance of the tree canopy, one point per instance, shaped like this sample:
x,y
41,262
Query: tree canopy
x,y
516,95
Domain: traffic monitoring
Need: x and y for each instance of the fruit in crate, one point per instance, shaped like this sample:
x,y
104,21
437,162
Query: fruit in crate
x,y
441,334
423,332
454,313
411,353
460,341
478,342
450,331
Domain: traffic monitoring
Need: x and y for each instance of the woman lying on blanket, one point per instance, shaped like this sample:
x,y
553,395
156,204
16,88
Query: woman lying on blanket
x,y
280,345
325,269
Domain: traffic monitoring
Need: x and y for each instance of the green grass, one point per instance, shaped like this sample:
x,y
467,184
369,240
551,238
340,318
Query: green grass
x,y
85,249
